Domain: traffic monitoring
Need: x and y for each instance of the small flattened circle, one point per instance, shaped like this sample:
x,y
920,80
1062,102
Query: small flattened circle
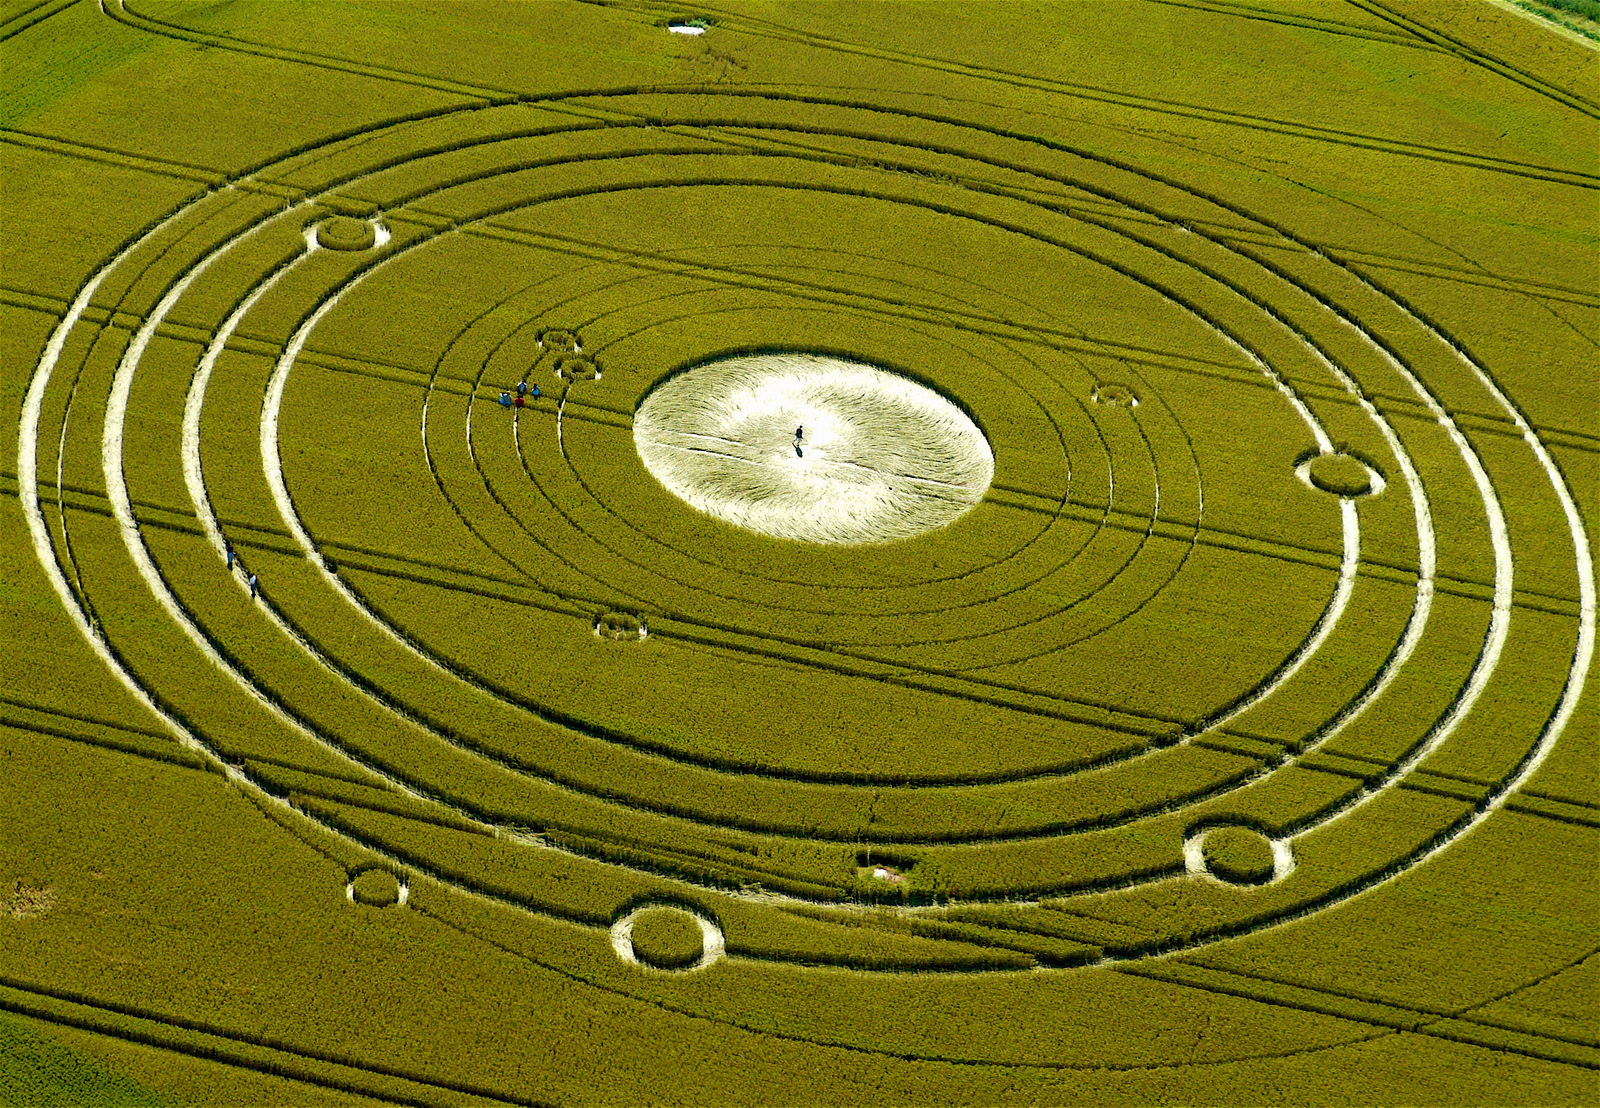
x,y
1343,475
576,367
621,627
559,340
667,939
343,232
670,937
1238,856
813,448
1115,396
1235,854
377,888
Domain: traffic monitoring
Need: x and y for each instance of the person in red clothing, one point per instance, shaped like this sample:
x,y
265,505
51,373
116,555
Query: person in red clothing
x,y
520,402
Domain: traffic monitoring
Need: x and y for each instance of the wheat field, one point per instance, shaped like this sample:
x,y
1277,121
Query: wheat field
x,y
798,553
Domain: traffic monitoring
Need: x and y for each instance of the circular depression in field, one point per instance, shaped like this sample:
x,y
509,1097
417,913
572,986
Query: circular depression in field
x,y
813,448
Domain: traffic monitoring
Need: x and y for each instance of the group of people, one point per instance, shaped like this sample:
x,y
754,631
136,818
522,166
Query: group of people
x,y
250,578
227,550
525,392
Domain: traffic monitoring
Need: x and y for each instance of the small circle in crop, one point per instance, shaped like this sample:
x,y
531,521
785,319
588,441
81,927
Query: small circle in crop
x,y
667,938
1115,396
1238,855
343,232
1343,475
621,627
377,888
575,367
559,340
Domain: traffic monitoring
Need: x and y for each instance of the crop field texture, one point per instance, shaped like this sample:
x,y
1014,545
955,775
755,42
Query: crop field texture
x,y
821,553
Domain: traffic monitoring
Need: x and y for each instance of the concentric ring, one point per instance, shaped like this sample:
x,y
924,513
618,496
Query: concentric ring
x,y
1056,773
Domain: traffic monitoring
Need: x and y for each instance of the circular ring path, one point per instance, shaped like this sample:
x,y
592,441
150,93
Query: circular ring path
x,y
1241,596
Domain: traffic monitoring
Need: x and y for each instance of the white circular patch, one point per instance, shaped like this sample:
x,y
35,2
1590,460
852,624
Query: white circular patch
x,y
814,448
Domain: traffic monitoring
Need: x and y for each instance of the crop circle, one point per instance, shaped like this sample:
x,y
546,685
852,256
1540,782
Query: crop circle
x,y
576,367
376,888
1341,474
559,340
1022,584
1238,855
343,232
667,937
1270,616
621,627
1115,396
813,448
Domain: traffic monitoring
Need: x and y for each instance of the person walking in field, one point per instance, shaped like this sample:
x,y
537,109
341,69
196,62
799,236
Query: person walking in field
x,y
522,388
505,400
533,392
253,587
227,550
521,403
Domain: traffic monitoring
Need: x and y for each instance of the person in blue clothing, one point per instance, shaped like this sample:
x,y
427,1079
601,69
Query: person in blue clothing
x,y
522,388
253,588
505,400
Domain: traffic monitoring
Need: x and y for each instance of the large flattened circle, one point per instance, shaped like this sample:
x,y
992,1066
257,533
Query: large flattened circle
x,y
813,448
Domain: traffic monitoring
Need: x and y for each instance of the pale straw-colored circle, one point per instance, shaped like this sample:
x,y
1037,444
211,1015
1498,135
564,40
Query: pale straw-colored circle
x,y
813,448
